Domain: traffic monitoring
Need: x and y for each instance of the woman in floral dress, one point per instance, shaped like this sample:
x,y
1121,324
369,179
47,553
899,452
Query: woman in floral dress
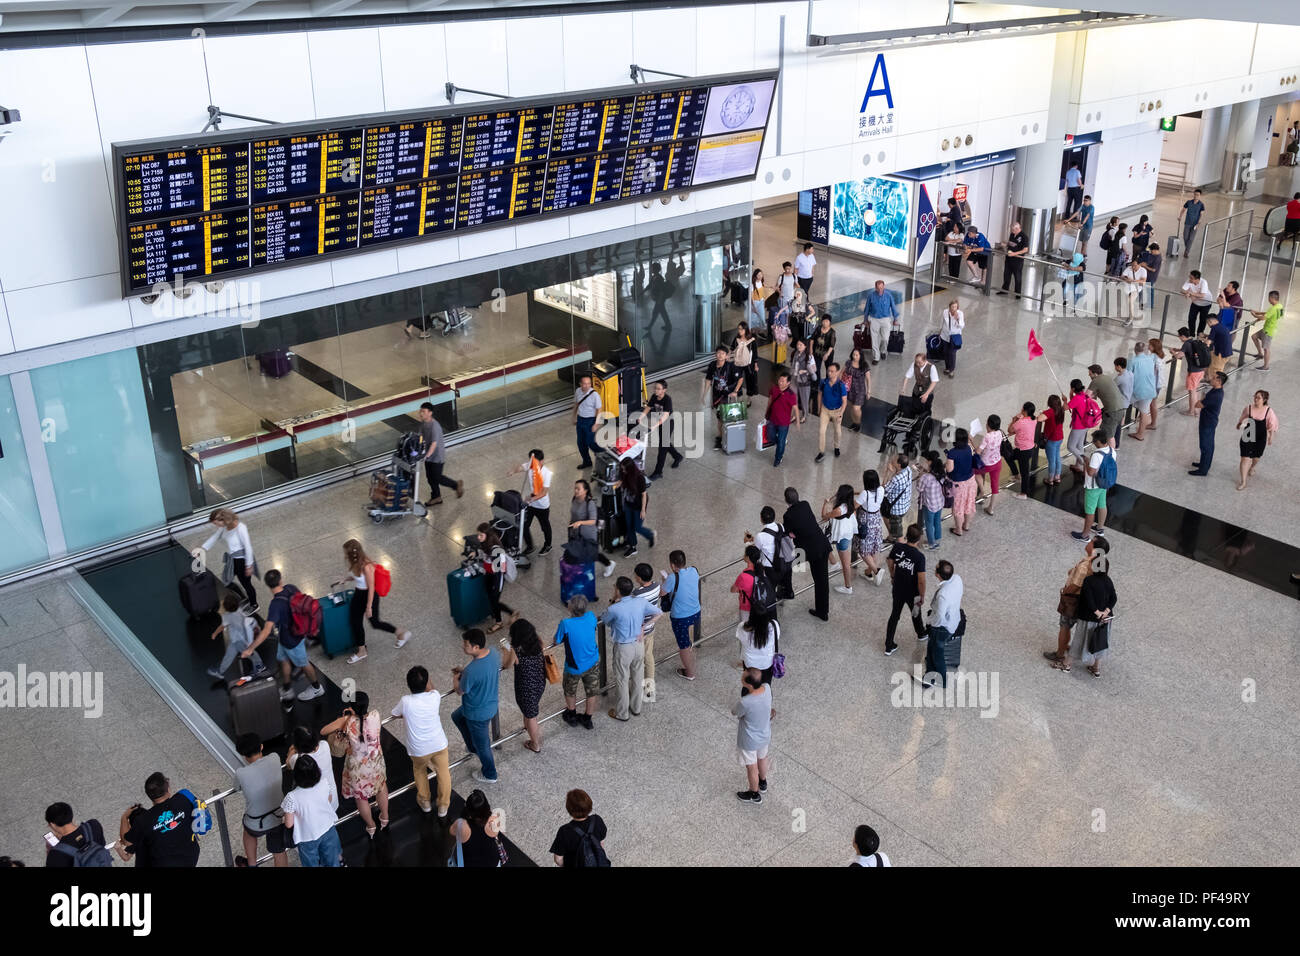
x,y
365,776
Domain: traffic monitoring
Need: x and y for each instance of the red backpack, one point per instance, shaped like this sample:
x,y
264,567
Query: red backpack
x,y
383,580
304,613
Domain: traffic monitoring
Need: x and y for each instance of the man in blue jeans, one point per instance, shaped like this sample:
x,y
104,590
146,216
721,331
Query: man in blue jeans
x,y
476,683
586,419
781,405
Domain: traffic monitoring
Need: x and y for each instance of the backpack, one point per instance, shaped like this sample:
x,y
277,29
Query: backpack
x,y
383,581
1201,354
304,612
782,550
1091,416
1107,471
762,592
1107,240
92,854
593,854
508,566
410,447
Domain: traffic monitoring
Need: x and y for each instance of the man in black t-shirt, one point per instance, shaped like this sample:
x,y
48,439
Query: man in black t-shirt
x,y
907,572
659,417
579,843
1014,264
161,835
722,378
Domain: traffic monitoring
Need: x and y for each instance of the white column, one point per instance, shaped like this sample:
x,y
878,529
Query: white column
x,y
1237,157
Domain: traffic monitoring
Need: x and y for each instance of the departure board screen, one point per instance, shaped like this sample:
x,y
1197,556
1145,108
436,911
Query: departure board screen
x,y
407,210
185,181
577,181
224,204
291,166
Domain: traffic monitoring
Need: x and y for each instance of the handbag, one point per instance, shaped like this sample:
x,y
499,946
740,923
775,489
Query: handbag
x,y
1008,453
1098,638
666,598
946,484
955,340
778,659
227,570
1068,605
552,669
976,461
338,742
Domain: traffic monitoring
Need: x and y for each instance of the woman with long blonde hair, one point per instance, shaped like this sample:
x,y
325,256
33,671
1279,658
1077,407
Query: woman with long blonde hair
x,y
365,600
238,546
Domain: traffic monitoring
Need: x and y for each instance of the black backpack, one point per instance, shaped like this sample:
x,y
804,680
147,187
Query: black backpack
x,y
1107,240
593,854
1201,353
88,854
763,592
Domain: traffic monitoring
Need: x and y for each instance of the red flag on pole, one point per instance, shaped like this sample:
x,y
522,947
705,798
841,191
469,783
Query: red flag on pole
x,y
1035,350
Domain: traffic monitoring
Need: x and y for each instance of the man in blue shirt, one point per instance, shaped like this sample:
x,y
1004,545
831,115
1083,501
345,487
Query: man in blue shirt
x,y
1190,216
976,258
832,391
1073,190
476,683
1209,407
291,648
577,633
1084,216
879,315
681,592
624,620
1220,345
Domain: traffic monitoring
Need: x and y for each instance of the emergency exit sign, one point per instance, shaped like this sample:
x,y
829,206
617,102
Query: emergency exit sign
x,y
1168,123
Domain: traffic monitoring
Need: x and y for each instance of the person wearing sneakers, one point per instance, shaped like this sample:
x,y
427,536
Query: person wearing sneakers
x,y
1094,492
907,576
238,629
577,633
291,647
743,586
584,517
680,593
647,588
1094,555
831,392
838,509
426,741
477,684
365,600
1263,339
753,734
435,457
537,497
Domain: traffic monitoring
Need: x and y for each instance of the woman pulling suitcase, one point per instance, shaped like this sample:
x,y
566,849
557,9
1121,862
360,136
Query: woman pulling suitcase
x,y
365,600
239,550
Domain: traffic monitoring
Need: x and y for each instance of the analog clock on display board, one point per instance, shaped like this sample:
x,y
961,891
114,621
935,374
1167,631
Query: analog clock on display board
x,y
737,107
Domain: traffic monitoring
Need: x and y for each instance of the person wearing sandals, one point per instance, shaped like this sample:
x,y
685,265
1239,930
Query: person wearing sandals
x,y
991,454
804,368
1258,424
960,470
364,773
1094,558
871,526
492,556
478,834
524,653
858,377
745,359
365,600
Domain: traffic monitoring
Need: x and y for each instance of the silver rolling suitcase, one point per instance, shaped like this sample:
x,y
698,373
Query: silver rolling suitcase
x,y
733,438
1174,247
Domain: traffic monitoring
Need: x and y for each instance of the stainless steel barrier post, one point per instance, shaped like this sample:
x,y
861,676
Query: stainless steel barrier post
x,y
1169,385
219,806
495,726
1164,318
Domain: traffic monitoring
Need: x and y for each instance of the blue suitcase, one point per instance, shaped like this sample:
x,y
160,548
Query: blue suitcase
x,y
335,626
468,598
577,579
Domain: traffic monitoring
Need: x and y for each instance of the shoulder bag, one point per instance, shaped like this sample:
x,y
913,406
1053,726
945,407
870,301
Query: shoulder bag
x,y
666,598
1068,605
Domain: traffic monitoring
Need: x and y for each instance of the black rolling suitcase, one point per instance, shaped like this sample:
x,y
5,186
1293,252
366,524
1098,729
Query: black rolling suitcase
x,y
611,522
199,593
255,707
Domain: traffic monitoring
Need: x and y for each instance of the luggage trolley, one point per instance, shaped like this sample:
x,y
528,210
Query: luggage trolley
x,y
396,492
909,427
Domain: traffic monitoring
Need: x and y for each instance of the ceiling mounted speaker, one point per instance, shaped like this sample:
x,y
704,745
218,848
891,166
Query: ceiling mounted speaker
x,y
944,144
1142,107
183,291
149,299
214,287
969,139
1159,104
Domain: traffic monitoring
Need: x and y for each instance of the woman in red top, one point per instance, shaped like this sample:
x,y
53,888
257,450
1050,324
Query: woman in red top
x,y
1293,219
1085,416
1053,419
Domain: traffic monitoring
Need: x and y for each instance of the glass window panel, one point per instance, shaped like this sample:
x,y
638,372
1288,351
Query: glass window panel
x,y
20,522
101,452
538,307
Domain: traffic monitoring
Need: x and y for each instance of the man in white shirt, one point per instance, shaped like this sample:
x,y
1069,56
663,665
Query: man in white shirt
x,y
944,621
1197,292
426,741
804,263
1094,496
767,540
785,286
1134,278
537,497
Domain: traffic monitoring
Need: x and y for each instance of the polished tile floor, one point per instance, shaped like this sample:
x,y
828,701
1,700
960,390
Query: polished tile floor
x,y
1171,757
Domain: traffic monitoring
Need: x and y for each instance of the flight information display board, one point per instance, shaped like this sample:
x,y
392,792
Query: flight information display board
x,y
226,204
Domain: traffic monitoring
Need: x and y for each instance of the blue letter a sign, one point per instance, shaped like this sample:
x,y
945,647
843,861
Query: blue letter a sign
x,y
878,70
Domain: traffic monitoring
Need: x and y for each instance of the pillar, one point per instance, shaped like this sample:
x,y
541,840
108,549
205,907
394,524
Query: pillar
x,y
1036,193
1237,157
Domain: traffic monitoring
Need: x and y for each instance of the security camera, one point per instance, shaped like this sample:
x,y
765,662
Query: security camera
x,y
8,119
